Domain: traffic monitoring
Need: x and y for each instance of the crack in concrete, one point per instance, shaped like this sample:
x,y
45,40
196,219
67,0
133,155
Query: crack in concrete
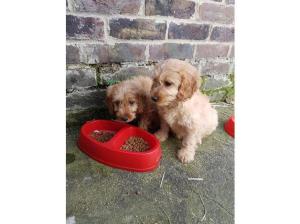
x,y
219,204
164,212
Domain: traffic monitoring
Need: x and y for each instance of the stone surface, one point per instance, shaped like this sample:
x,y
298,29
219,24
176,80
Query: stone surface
x,y
214,68
232,52
80,77
105,6
188,31
222,34
72,54
126,73
178,8
229,2
230,96
84,28
94,53
100,194
106,70
211,51
216,82
216,13
137,29
119,52
170,50
86,99
77,117
217,96
67,6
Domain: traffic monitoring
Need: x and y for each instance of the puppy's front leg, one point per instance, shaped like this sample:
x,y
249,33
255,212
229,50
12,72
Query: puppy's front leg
x,y
144,123
163,133
187,152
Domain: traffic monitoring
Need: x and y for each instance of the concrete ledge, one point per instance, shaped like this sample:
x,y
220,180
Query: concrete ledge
x,y
79,116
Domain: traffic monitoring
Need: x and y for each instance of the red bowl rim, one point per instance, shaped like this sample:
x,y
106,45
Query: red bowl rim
x,y
108,143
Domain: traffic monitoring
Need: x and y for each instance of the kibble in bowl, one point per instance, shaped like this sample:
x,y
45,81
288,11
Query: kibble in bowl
x,y
135,144
102,136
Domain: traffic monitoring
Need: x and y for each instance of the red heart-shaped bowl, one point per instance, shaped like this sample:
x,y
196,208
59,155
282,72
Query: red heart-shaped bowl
x,y
110,152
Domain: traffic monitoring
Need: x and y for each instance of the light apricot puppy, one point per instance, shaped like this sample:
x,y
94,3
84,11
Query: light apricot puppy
x,y
130,100
181,106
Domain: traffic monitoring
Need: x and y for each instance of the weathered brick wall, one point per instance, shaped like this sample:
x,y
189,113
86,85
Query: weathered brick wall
x,y
111,40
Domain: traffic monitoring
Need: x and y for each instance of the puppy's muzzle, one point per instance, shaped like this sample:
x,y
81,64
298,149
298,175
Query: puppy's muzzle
x,y
124,118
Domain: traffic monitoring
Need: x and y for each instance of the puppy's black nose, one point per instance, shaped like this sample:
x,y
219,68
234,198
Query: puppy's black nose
x,y
124,118
154,98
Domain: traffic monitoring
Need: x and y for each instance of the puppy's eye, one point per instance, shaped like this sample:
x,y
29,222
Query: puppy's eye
x,y
117,102
167,83
131,103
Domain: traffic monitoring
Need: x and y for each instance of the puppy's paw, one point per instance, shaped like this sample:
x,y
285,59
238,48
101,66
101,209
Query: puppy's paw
x,y
161,136
185,156
199,141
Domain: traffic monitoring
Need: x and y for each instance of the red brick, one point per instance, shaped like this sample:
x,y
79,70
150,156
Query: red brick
x,y
216,13
109,7
170,50
222,34
94,53
119,52
211,51
137,29
72,54
178,8
84,28
188,31
123,52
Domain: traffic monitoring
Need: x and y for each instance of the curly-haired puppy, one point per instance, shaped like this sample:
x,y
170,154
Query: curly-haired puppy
x,y
181,106
130,100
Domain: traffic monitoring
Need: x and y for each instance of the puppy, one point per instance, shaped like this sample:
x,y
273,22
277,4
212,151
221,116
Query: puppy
x,y
130,100
181,106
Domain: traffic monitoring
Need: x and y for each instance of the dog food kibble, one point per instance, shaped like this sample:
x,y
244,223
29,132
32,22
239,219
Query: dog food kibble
x,y
102,136
135,144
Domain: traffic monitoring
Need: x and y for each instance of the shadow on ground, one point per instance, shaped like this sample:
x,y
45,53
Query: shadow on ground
x,y
100,194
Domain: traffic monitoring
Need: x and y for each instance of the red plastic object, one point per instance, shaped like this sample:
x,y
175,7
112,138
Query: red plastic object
x,y
109,153
229,126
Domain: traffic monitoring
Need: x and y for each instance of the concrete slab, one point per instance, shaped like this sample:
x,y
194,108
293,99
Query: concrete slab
x,y
100,194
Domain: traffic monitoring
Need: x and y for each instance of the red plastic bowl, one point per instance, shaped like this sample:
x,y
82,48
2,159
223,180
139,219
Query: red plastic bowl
x,y
229,126
109,153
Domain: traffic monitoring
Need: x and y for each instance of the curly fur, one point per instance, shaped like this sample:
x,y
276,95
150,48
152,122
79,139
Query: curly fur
x,y
181,106
130,99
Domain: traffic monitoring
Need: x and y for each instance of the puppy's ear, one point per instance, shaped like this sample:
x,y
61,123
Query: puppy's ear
x,y
109,98
189,85
141,103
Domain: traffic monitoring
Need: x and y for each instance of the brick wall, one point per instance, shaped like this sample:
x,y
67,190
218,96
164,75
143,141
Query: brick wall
x,y
111,40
